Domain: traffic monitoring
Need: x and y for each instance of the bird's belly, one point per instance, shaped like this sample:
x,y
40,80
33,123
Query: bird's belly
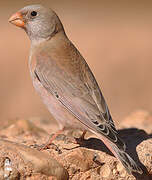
x,y
63,117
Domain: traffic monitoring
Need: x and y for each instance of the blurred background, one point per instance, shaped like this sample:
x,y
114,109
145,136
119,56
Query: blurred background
x,y
115,38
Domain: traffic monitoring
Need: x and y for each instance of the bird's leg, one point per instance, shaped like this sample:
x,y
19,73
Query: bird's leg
x,y
50,140
55,135
49,143
82,136
81,139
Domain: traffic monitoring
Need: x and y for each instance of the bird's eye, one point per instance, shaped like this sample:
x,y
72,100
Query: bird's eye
x,y
33,13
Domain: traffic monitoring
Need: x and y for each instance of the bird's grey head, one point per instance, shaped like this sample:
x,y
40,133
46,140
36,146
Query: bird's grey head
x,y
39,22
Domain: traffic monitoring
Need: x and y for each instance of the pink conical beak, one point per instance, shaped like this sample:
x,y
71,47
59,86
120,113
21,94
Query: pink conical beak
x,y
17,19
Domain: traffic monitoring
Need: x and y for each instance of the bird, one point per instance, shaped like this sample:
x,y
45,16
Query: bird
x,y
65,81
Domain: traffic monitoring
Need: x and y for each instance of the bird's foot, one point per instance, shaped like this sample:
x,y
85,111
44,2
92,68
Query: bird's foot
x,y
49,144
79,140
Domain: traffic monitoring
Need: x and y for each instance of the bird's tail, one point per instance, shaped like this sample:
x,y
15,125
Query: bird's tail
x,y
129,164
126,160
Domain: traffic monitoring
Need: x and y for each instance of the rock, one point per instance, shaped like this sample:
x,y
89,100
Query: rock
x,y
145,154
81,158
140,119
105,171
20,161
22,126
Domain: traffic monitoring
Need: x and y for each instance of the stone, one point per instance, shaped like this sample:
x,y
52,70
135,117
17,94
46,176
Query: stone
x,y
23,161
